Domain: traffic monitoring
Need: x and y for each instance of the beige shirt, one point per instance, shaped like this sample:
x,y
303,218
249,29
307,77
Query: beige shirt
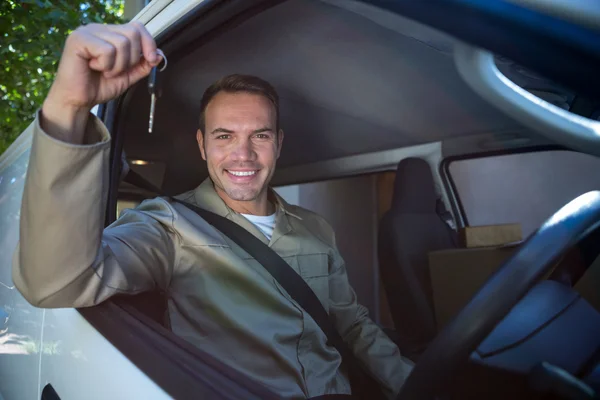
x,y
220,298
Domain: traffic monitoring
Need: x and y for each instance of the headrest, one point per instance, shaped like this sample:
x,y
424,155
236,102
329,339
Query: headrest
x,y
414,188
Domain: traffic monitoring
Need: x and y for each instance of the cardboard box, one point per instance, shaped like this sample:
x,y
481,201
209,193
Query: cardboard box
x,y
490,235
457,274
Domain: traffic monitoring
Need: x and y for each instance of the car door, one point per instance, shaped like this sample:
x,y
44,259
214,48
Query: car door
x,y
20,323
80,363
58,347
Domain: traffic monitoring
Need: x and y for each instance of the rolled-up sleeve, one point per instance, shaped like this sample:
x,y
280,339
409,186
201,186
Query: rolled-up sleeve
x,y
65,257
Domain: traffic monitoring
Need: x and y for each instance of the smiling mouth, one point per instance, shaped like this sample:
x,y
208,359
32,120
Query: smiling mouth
x,y
242,173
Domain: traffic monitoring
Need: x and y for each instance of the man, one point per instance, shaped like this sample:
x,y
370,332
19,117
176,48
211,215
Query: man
x,y
220,299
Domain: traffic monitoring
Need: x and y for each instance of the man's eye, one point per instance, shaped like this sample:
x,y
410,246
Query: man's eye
x,y
223,137
262,136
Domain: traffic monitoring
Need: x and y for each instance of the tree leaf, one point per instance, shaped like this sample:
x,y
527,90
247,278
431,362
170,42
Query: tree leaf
x,y
36,30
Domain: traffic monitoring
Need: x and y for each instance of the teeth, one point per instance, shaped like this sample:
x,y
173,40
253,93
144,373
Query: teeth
x,y
242,173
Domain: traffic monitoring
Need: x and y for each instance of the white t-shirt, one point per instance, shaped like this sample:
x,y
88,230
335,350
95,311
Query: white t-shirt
x,y
266,224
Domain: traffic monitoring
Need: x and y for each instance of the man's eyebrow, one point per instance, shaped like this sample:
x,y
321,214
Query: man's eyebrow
x,y
265,129
221,130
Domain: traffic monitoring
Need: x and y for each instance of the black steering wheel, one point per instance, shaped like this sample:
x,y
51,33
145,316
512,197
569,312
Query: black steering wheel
x,y
451,349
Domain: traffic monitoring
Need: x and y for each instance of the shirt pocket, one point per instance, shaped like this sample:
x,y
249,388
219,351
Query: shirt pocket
x,y
314,269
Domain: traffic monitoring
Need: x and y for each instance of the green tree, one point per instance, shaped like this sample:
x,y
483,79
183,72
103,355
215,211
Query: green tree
x,y
32,34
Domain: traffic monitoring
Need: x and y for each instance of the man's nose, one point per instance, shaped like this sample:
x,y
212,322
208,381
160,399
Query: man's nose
x,y
244,151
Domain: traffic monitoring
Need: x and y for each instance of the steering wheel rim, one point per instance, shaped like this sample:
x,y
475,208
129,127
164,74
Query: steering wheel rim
x,y
451,349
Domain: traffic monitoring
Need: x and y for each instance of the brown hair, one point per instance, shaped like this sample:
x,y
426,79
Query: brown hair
x,y
239,83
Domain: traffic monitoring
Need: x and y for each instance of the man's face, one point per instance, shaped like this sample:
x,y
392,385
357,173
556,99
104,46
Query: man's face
x,y
240,144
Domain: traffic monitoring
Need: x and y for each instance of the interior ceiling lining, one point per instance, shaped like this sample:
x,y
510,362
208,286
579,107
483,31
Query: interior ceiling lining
x,y
349,84
344,64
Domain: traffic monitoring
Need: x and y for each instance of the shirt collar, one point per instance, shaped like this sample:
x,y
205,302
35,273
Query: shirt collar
x,y
282,205
206,197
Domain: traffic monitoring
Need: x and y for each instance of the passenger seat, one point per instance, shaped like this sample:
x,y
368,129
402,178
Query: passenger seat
x,y
410,230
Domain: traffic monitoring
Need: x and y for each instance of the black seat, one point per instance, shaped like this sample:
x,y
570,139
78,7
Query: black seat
x,y
407,233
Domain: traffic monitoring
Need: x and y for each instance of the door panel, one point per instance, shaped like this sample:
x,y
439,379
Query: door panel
x,y
20,323
80,363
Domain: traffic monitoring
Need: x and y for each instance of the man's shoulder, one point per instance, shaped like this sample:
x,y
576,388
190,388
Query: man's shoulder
x,y
187,197
159,202
165,205
159,208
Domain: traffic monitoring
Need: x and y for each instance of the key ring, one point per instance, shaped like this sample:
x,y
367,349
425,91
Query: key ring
x,y
164,58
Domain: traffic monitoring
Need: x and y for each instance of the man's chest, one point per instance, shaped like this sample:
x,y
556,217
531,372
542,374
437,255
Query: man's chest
x,y
224,301
229,270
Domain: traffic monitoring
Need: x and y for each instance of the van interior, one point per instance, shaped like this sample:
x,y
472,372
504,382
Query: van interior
x,y
387,142
469,234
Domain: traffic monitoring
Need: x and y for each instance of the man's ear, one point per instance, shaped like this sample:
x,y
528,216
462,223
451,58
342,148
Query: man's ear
x,y
200,140
279,142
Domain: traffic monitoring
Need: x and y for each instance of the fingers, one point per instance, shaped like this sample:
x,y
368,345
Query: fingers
x,y
147,42
132,33
117,49
122,52
100,53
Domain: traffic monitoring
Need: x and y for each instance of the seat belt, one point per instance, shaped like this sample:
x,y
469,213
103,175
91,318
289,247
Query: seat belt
x,y
361,382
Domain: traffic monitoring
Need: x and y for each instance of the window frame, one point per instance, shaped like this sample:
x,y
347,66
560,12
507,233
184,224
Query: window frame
x,y
120,325
450,186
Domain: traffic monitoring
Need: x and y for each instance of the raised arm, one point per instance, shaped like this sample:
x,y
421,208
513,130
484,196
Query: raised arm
x,y
65,258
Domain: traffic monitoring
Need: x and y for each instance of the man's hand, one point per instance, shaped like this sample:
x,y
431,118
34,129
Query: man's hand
x,y
98,63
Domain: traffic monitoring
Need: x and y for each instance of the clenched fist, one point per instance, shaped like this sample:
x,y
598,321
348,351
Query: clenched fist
x,y
98,63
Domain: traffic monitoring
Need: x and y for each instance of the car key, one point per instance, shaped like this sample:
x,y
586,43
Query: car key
x,y
152,81
154,90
